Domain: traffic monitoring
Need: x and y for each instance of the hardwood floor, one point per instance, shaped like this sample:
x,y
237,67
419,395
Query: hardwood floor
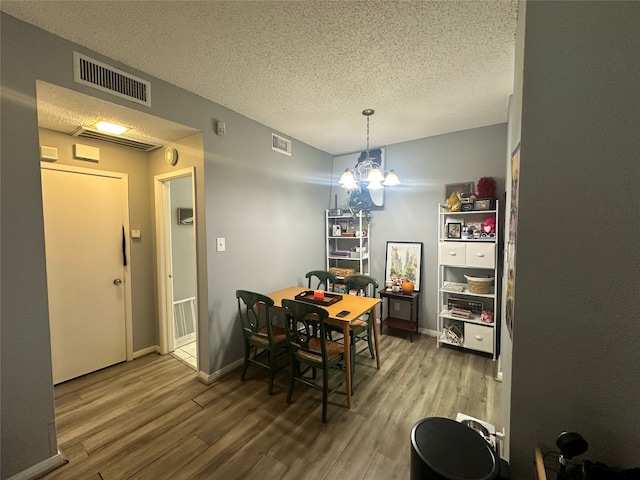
x,y
152,419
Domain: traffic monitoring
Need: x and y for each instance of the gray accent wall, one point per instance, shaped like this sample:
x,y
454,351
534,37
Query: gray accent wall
x,y
260,200
576,343
411,210
182,242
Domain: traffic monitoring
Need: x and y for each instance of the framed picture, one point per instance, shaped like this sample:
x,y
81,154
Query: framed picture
x,y
468,187
483,204
185,216
404,260
337,231
454,230
474,228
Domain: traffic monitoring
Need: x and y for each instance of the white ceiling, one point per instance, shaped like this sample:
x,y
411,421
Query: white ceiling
x,y
308,68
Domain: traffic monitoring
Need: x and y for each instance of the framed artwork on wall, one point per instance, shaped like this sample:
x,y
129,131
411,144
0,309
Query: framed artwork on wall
x,y
185,216
404,260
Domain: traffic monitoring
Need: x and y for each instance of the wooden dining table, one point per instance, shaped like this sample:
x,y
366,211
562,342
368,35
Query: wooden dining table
x,y
355,305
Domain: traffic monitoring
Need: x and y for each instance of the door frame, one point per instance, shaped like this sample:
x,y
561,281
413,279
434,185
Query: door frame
x,y
163,252
124,183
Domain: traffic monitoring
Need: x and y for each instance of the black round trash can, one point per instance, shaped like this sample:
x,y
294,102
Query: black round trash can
x,y
443,449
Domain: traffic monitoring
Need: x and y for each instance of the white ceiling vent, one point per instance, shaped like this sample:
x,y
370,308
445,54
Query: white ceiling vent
x,y
86,132
101,76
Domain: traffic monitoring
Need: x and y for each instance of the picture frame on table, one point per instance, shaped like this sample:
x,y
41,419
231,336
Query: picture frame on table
x,y
404,260
454,230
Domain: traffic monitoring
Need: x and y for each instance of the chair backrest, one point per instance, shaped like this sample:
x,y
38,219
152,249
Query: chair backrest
x,y
253,309
324,277
306,322
360,282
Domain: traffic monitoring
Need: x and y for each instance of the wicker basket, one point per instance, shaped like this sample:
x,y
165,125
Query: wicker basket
x,y
479,284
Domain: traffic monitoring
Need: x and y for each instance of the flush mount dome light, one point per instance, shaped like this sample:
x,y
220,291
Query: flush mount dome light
x,y
112,128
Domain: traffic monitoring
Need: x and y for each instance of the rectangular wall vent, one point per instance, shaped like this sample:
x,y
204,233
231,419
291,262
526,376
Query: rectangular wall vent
x,y
280,144
86,132
92,73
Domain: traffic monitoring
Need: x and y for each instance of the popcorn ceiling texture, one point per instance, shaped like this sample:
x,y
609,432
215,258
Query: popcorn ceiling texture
x,y
308,68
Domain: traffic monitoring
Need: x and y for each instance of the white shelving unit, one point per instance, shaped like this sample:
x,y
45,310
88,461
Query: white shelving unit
x,y
475,257
347,251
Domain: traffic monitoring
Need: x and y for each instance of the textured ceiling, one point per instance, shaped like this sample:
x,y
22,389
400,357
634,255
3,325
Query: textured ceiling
x,y
309,68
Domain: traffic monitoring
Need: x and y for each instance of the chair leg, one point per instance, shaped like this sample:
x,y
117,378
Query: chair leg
x,y
370,340
292,379
325,394
352,353
247,353
272,371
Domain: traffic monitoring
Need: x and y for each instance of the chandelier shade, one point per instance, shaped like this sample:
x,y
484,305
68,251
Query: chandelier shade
x,y
368,170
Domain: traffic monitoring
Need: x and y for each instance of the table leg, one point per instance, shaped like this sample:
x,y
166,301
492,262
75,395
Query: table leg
x,y
375,335
347,359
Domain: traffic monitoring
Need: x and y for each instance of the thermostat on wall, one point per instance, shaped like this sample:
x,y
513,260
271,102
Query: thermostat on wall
x,y
171,156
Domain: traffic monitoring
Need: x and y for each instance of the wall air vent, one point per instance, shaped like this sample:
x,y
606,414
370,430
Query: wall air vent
x,y
92,73
280,144
86,132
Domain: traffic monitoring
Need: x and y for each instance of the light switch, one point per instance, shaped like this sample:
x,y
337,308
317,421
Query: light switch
x,y
135,233
220,244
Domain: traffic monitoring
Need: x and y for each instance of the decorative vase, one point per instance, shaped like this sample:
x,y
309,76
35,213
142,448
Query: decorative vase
x,y
407,286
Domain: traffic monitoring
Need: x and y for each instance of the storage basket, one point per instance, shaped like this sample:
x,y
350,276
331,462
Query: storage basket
x,y
479,284
342,272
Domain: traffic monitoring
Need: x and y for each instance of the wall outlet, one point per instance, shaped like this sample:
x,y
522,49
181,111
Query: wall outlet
x,y
220,244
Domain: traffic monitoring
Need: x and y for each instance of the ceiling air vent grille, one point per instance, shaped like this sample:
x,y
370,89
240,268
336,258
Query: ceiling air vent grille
x,y
92,73
85,132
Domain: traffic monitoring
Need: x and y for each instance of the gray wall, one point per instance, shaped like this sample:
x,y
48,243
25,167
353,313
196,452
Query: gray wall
x,y
182,242
411,210
256,198
513,135
576,355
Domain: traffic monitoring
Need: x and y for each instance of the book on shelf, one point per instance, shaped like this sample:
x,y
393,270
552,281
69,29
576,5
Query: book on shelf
x,y
461,313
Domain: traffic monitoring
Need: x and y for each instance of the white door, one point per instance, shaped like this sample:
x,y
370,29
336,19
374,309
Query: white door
x,y
83,220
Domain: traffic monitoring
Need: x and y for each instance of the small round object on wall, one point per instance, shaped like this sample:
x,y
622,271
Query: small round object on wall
x,y
171,156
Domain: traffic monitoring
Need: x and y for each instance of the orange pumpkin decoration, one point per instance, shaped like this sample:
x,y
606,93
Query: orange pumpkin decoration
x,y
407,286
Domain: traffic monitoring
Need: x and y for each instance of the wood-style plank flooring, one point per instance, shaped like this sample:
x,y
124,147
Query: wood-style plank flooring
x,y
152,419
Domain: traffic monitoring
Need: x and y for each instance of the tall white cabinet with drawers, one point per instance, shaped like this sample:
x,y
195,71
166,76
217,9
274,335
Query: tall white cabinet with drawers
x,y
472,256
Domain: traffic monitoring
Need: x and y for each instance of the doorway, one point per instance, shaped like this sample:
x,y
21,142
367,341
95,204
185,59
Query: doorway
x,y
85,219
177,265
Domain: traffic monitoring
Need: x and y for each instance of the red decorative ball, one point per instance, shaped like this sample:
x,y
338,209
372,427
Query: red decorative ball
x,y
487,188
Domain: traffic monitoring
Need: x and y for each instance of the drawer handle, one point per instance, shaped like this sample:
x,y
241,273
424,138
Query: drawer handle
x,y
479,337
453,254
480,254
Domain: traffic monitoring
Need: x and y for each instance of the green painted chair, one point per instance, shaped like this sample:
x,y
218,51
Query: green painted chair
x,y
309,346
361,329
324,278
268,340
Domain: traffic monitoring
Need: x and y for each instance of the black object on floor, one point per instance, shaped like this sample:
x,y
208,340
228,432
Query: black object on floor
x,y
443,449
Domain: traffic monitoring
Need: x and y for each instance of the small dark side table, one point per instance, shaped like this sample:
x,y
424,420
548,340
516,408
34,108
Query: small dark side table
x,y
410,325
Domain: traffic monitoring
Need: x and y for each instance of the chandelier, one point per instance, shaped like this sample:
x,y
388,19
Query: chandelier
x,y
368,170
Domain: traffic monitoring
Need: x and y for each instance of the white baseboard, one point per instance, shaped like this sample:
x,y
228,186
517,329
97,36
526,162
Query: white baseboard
x,y
426,331
210,378
41,468
146,351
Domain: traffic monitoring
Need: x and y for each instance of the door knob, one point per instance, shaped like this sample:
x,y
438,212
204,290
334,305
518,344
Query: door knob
x,y
117,281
